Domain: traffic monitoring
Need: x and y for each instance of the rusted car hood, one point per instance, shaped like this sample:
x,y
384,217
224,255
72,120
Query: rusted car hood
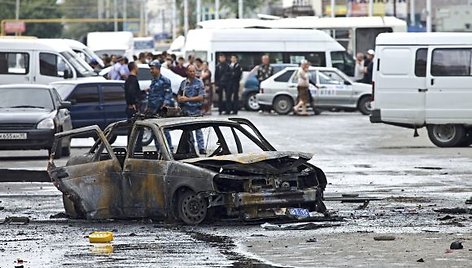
x,y
251,158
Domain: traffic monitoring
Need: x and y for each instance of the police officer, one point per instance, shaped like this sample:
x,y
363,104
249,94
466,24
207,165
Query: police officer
x,y
190,97
159,95
160,91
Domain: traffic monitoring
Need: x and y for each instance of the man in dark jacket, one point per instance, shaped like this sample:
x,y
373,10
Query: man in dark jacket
x,y
232,97
222,81
133,97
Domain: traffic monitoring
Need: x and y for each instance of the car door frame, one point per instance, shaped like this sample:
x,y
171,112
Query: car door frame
x,y
144,180
94,186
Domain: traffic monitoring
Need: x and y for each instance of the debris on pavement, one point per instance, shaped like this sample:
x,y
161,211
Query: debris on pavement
x,y
298,226
420,260
456,245
312,240
469,201
16,220
100,237
60,215
19,263
384,238
456,210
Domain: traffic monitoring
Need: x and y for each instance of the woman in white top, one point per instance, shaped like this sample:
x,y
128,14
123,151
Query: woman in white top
x,y
303,76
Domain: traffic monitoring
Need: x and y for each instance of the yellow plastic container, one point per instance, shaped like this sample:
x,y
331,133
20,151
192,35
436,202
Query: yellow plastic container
x,y
101,237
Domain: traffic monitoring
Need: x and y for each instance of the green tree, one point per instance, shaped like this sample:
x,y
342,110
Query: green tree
x,y
89,9
35,9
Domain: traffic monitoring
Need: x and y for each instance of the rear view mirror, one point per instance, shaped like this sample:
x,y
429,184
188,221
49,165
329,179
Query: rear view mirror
x,y
67,74
347,83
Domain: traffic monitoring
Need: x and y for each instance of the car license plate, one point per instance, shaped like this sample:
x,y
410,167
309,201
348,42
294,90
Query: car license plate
x,y
299,212
13,136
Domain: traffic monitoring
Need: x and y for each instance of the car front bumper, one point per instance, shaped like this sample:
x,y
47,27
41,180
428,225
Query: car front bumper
x,y
36,139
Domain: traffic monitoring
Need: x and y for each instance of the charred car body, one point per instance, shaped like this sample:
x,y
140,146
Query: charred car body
x,y
241,174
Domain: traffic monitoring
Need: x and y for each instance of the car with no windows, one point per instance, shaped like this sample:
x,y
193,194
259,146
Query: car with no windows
x,y
239,174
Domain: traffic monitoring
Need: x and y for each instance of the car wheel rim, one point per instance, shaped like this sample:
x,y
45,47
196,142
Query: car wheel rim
x,y
444,133
283,105
194,209
368,106
252,101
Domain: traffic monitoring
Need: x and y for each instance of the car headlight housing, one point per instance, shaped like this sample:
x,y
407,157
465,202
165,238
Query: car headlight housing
x,y
47,123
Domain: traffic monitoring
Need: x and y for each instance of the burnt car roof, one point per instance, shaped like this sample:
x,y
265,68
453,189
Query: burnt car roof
x,y
176,121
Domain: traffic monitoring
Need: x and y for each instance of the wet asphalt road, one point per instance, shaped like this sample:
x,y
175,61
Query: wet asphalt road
x,y
413,177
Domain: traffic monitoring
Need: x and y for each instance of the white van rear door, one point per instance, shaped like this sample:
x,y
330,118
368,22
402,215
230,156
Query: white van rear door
x,y
400,75
449,95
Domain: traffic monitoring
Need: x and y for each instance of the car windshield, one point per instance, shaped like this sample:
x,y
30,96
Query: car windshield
x,y
64,90
214,140
82,68
35,98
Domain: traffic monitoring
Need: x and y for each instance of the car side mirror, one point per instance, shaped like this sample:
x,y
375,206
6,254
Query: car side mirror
x,y
65,105
67,74
72,101
347,83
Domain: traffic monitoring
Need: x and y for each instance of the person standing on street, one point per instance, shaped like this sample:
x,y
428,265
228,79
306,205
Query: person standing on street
x,y
264,70
359,68
303,76
190,97
368,67
232,97
133,96
114,73
160,95
222,81
206,79
160,92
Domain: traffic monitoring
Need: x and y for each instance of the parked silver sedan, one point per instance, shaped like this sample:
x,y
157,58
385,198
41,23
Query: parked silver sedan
x,y
329,88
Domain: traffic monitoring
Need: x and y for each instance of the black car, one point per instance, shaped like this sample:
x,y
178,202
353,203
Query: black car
x,y
30,115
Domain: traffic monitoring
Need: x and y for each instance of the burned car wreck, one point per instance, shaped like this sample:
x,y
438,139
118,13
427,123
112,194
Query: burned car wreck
x,y
239,175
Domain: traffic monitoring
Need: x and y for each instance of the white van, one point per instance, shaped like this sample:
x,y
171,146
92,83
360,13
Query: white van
x,y
424,79
39,61
111,43
81,50
282,46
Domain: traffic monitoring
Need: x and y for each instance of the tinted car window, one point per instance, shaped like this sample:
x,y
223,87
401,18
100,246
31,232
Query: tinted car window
x,y
285,76
451,62
113,93
52,65
85,94
14,63
420,62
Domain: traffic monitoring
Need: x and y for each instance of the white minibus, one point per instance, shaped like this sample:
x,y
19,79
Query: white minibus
x,y
282,46
39,61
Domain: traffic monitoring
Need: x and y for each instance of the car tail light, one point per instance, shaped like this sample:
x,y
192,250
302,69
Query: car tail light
x,y
373,90
261,90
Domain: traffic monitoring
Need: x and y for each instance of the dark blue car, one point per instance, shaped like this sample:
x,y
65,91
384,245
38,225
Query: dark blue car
x,y
99,102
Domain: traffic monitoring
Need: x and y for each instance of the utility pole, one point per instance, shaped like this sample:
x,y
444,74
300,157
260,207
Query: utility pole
x,y
199,11
115,15
412,13
333,5
428,16
371,8
174,19
125,14
217,9
185,17
107,9
141,18
240,9
17,10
